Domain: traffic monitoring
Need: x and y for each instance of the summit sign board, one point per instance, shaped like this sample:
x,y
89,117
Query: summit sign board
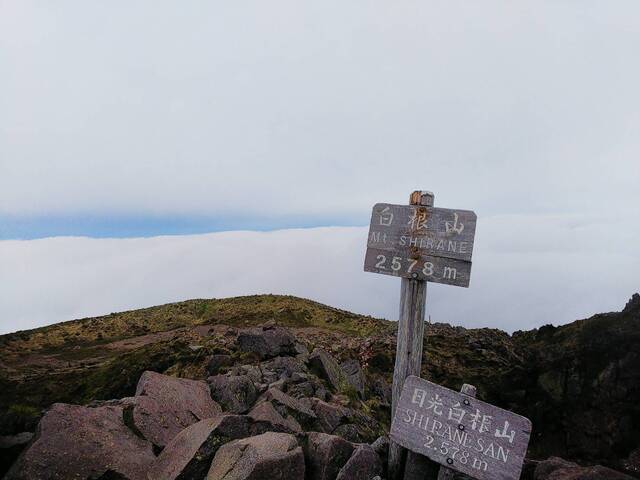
x,y
460,432
420,242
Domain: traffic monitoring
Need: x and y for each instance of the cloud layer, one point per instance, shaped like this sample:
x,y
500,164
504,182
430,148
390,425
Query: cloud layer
x,y
255,113
265,109
527,271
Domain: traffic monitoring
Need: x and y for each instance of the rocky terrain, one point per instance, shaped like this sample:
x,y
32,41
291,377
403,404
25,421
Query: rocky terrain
x,y
282,387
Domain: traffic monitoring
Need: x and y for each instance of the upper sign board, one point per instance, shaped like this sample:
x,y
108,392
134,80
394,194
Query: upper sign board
x,y
460,432
425,243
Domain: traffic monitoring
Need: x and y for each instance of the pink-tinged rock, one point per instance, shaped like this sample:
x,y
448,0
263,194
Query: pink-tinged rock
x,y
289,407
164,406
329,416
325,455
189,454
267,419
273,456
235,393
364,464
75,442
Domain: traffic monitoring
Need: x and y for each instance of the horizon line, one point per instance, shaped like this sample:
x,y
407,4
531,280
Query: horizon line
x,y
149,226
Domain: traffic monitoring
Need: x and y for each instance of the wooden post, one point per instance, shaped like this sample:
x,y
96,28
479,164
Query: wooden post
x,y
413,295
446,473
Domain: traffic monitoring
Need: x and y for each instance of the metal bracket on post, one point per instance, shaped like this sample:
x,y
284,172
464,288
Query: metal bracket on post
x,y
422,197
413,294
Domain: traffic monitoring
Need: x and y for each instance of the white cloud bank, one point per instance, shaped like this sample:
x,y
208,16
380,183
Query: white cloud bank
x,y
528,271
320,110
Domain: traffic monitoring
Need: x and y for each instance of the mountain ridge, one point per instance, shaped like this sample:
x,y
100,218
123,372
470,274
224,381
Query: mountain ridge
x,y
579,382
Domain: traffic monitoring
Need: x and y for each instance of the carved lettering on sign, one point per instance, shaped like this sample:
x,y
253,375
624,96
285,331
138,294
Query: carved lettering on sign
x,y
425,243
460,432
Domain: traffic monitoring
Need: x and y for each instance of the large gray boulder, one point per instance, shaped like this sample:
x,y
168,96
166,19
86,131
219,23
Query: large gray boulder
x,y
254,372
189,454
266,418
364,464
327,367
381,447
218,362
285,367
267,341
289,407
273,456
72,441
349,432
164,406
302,385
325,455
278,369
235,393
354,376
329,416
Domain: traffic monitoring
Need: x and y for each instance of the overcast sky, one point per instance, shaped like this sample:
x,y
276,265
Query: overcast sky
x,y
146,118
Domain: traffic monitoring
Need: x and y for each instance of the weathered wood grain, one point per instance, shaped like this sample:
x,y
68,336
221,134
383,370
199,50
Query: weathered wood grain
x,y
413,295
414,229
460,432
420,267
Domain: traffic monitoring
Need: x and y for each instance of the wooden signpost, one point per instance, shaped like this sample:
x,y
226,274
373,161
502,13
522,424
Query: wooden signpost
x,y
420,244
460,431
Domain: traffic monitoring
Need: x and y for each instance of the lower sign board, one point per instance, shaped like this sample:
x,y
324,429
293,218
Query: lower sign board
x,y
460,432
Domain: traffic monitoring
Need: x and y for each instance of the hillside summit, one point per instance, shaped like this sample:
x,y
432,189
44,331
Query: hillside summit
x,y
248,387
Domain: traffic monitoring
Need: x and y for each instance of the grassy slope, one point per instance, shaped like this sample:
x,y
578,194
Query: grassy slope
x,y
237,311
80,360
